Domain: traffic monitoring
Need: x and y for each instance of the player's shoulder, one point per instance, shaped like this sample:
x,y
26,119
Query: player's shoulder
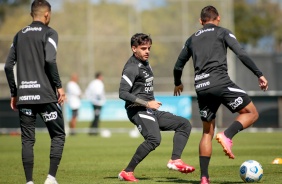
x,y
132,62
224,30
132,65
50,30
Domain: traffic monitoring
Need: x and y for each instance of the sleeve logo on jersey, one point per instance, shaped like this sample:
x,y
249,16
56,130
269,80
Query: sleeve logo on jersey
x,y
232,35
199,32
49,117
28,28
29,84
238,101
29,97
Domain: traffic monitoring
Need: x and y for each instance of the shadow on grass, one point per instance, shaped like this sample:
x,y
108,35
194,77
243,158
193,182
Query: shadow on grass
x,y
176,180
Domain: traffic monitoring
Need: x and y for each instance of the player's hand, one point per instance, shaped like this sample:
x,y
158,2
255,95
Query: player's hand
x,y
263,84
13,103
154,104
61,96
178,90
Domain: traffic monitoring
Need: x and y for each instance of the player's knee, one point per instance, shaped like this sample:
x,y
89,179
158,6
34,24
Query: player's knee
x,y
153,142
186,125
255,115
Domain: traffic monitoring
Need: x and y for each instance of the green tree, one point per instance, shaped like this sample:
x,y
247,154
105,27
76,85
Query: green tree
x,y
256,20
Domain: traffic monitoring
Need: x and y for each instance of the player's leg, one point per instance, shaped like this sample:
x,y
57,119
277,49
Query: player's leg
x,y
236,100
208,105
182,127
95,122
73,121
52,116
27,124
205,149
248,115
148,126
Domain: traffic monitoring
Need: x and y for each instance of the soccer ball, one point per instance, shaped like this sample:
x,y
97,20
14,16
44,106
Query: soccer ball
x,y
251,171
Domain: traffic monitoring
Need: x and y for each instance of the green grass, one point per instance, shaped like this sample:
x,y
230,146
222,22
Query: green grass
x,y
96,160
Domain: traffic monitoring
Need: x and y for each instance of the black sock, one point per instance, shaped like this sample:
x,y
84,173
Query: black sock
x,y
54,164
28,169
139,155
204,165
233,129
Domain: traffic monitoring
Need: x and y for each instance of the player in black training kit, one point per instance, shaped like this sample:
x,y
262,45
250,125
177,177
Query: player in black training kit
x,y
136,89
208,48
34,50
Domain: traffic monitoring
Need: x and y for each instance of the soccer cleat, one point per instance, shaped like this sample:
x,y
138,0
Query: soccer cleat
x,y
226,143
205,180
50,181
30,182
127,176
180,166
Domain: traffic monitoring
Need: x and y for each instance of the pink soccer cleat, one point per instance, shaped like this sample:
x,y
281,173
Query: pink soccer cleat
x,y
127,176
205,180
226,144
180,166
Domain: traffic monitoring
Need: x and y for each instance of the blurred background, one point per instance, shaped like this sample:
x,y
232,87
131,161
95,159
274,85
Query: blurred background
x,y
94,35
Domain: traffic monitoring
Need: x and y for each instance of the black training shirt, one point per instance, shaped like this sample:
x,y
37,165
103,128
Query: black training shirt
x,y
34,51
208,48
136,81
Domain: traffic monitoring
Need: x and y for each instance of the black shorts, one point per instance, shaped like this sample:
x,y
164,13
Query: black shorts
x,y
231,96
74,112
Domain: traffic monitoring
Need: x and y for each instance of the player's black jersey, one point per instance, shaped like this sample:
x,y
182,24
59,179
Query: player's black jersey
x,y
34,50
136,81
208,48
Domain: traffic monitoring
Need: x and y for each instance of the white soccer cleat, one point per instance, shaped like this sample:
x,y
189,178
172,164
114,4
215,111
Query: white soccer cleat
x,y
30,182
50,181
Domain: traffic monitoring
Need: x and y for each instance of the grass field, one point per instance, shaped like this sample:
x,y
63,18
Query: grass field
x,y
96,160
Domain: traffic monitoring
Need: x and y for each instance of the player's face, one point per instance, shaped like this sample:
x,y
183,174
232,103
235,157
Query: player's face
x,y
142,52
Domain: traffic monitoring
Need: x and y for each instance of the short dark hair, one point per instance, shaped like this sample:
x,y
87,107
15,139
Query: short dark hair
x,y
140,39
37,4
209,13
98,74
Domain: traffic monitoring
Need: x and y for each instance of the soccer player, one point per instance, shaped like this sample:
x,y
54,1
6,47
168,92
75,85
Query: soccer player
x,y
73,95
38,89
208,48
95,92
136,89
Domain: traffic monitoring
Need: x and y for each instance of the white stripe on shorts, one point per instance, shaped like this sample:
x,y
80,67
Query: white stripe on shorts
x,y
146,117
236,90
127,80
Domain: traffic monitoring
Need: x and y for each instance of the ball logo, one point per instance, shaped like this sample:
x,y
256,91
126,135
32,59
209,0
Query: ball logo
x,y
254,169
243,170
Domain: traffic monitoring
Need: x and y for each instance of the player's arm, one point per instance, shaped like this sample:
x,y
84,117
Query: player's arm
x,y
130,72
178,67
235,46
51,64
9,71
